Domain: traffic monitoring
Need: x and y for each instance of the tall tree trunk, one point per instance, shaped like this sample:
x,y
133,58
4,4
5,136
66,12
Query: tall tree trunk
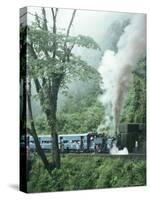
x,y
52,120
55,147
40,152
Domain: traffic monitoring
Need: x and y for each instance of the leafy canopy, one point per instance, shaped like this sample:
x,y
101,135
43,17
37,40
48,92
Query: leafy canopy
x,y
45,64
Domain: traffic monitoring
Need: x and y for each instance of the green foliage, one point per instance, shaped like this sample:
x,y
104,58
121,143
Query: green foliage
x,y
64,61
87,173
77,122
41,124
86,41
81,111
118,173
135,105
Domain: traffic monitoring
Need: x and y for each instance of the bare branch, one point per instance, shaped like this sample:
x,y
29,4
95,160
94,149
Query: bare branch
x,y
54,31
67,51
71,21
53,15
45,27
56,12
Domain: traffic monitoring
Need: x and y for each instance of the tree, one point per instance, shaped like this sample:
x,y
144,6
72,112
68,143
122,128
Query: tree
x,y
52,63
135,105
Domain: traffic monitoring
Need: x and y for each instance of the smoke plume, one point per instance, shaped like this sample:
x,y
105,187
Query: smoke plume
x,y
116,69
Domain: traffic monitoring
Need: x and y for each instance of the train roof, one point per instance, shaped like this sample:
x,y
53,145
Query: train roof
x,y
44,135
74,134
62,135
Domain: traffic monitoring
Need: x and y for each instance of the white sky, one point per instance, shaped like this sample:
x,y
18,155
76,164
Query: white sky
x,y
92,23
86,22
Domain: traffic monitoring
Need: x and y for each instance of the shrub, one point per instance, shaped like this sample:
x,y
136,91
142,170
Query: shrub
x,y
84,172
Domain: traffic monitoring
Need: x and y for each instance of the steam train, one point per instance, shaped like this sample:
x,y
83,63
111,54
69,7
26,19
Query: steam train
x,y
132,136
84,142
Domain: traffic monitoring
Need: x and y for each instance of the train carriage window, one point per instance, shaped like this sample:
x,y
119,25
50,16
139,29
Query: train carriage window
x,y
46,141
65,141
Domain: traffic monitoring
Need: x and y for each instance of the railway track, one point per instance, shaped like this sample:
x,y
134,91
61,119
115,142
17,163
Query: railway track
x,y
131,155
125,157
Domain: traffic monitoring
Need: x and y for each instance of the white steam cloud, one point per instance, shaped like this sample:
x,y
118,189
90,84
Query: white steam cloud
x,y
116,69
